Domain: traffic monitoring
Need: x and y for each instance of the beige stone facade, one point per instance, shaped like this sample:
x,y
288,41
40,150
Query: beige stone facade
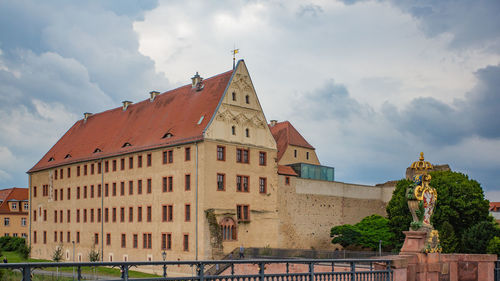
x,y
14,210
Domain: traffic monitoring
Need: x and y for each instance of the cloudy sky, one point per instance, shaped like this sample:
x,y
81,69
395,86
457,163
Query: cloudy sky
x,y
370,84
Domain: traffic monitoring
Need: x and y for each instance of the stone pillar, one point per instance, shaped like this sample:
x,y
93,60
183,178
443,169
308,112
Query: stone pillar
x,y
414,242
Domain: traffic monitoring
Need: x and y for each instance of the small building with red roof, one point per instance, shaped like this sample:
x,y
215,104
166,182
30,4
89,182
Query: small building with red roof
x,y
14,211
495,210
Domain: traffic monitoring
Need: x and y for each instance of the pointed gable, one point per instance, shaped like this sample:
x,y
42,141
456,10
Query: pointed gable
x,y
12,194
174,117
285,134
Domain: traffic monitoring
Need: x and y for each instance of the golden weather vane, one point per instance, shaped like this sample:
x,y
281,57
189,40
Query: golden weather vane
x,y
234,51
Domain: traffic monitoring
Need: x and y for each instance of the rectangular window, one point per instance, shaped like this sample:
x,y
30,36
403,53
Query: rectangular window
x,y
99,168
139,161
148,186
187,151
92,168
130,214
135,242
164,184
146,238
287,180
85,192
106,166
106,214
68,237
84,215
307,155
185,243
34,237
131,162
55,217
78,237
108,238
262,185
122,214
221,153
187,212
77,171
295,153
139,214
68,216
61,173
167,213
139,186
221,182
170,156
44,215
163,241
69,172
243,212
170,184
61,236
122,188
92,191
77,215
169,241
34,191
61,216
91,215
187,182
113,216
55,174
99,215
242,183
96,238
149,160
69,193
55,194
55,236
148,212
114,165
242,155
114,189
122,164
165,157
131,187
34,215
262,158
77,192
45,237
124,240
99,190
61,196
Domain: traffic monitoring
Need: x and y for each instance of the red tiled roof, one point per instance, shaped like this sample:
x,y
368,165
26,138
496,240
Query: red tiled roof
x,y
285,134
142,125
495,206
15,193
286,170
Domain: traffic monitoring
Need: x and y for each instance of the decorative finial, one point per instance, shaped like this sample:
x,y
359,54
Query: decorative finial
x,y
234,51
421,156
421,166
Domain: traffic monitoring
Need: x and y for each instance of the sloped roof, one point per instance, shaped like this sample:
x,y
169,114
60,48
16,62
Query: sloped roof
x,y
12,194
286,170
142,125
285,134
495,206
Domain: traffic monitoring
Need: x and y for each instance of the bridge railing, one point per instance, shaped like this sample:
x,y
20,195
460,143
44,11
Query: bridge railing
x,y
238,270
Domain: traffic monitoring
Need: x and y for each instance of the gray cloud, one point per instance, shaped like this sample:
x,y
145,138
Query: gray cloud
x,y
471,23
59,59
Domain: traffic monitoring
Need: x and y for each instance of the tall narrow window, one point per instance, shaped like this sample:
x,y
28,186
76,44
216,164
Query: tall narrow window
x,y
130,214
69,193
247,132
122,164
106,214
114,165
165,157
106,166
139,214
247,99
124,240
262,185
139,186
170,184
170,156
113,215
130,187
106,190
307,155
221,183
92,168
139,161
295,153
187,182
148,212
114,189
108,239
233,130
122,188
69,172
221,153
149,160
131,162
242,212
185,244
99,168
122,214
187,152
262,158
187,212
77,171
135,241
148,186
85,169
234,96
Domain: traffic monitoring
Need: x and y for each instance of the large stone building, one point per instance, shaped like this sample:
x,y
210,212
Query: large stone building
x,y
14,210
195,171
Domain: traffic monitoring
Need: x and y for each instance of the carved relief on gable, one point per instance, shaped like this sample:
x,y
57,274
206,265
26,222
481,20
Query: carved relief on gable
x,y
241,82
248,118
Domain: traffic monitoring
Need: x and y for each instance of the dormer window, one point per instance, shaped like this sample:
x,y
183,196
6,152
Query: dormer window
x,y
67,156
97,150
126,144
51,159
234,96
167,135
247,99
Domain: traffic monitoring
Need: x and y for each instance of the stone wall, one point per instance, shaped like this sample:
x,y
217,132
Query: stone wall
x,y
308,209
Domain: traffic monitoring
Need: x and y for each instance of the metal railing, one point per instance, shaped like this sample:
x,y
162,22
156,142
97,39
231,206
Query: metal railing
x,y
497,270
239,270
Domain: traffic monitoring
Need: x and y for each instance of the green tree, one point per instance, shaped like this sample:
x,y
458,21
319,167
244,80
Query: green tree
x,y
448,239
367,233
494,246
460,202
477,237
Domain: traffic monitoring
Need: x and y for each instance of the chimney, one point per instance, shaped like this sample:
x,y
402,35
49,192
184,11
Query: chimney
x,y
273,122
86,115
152,95
196,82
126,103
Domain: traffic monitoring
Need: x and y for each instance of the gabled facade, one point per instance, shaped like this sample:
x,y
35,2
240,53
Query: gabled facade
x,y
14,210
191,172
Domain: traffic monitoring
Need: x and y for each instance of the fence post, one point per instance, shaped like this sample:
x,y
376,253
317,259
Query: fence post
x,y
201,269
389,272
79,273
261,271
311,271
26,273
125,272
353,271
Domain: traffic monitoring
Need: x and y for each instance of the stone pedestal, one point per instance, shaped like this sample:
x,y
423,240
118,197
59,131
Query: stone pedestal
x,y
414,242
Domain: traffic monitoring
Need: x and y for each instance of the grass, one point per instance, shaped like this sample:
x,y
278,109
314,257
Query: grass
x,y
14,257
